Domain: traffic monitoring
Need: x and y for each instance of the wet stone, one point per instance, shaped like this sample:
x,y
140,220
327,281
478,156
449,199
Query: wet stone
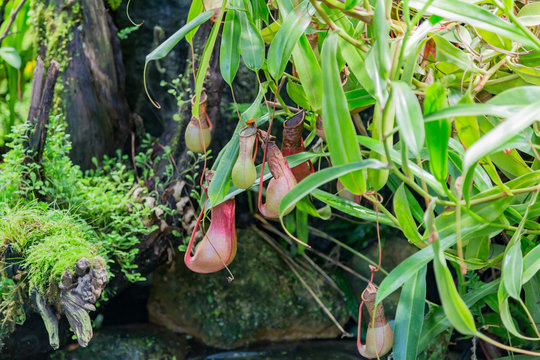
x,y
265,302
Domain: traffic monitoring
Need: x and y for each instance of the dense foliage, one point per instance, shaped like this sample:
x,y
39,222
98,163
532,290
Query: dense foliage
x,y
52,215
17,59
453,141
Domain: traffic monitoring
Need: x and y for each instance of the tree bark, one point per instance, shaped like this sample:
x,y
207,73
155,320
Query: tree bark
x,y
93,97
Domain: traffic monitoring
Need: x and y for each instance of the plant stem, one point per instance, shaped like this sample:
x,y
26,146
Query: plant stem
x,y
12,17
334,27
503,194
530,318
362,16
526,31
505,347
502,79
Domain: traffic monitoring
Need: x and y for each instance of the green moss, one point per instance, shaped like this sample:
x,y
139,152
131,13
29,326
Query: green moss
x,y
114,4
101,199
52,214
54,33
50,241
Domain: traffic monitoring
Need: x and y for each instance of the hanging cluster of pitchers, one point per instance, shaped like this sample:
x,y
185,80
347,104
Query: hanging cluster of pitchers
x,y
217,249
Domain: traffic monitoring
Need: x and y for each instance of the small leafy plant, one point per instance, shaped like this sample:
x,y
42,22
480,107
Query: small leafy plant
x,y
52,215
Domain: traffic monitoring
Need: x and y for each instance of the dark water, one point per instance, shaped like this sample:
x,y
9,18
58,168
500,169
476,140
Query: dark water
x,y
312,350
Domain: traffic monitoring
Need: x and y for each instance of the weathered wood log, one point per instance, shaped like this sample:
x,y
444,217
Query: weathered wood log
x,y
37,89
39,136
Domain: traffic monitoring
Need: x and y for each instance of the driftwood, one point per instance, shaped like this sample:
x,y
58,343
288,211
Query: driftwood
x,y
37,89
79,291
39,136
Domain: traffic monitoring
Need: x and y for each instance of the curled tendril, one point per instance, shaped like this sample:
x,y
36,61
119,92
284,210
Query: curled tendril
x,y
129,17
155,103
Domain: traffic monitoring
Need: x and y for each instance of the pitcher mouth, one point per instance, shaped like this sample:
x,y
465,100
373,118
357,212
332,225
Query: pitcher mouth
x,y
248,131
202,103
202,100
296,120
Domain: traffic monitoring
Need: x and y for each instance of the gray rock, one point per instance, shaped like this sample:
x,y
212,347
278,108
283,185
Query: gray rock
x,y
132,342
265,302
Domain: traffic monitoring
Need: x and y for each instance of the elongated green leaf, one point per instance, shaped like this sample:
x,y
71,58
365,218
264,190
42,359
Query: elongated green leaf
x,y
512,267
286,39
506,315
270,31
497,137
408,116
529,15
382,40
439,132
359,99
337,122
195,10
378,147
165,47
532,289
473,110
251,43
478,248
298,95
205,62
495,39
404,215
453,305
354,59
410,317
309,72
467,126
438,322
260,10
313,181
482,180
302,232
10,56
371,79
414,45
306,206
529,74
476,16
446,52
531,264
445,224
351,208
349,4
513,270
377,179
229,55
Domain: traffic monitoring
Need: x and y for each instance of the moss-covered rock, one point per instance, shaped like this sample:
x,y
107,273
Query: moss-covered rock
x,y
264,302
133,342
